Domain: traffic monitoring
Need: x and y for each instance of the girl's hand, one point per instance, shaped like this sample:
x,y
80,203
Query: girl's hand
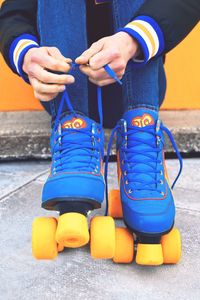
x,y
115,50
38,62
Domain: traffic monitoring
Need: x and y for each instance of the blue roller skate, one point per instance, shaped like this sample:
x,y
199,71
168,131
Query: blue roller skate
x,y
74,187
146,197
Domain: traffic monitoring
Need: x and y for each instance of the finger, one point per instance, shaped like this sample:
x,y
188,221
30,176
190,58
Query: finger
x,y
86,55
102,82
51,63
45,97
43,88
55,52
43,75
99,74
103,58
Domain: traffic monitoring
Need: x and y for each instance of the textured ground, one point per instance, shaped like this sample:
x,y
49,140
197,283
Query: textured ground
x,y
74,275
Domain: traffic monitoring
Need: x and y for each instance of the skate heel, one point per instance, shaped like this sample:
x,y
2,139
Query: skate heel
x,y
149,254
72,230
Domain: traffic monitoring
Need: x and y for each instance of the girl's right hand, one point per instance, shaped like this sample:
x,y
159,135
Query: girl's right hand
x,y
38,64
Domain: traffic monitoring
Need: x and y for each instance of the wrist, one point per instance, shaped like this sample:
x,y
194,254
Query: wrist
x,y
130,44
27,58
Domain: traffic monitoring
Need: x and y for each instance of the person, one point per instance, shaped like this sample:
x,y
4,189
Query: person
x,y
39,42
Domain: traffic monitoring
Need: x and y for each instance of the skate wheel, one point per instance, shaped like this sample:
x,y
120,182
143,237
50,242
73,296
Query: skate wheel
x,y
124,246
44,245
171,246
149,254
72,230
114,204
102,237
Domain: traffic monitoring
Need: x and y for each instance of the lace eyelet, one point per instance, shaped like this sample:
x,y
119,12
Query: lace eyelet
x,y
130,191
162,193
161,182
125,173
161,172
126,182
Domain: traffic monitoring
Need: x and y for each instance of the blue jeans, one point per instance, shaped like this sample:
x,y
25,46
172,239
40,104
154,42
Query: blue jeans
x,y
63,24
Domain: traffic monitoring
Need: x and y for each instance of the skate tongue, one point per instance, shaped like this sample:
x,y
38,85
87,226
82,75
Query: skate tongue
x,y
78,122
141,117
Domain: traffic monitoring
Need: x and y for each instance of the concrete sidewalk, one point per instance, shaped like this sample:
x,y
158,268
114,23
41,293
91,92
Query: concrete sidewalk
x,y
74,274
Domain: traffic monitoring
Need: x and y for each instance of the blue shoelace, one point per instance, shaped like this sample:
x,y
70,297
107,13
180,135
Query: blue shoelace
x,y
142,157
81,153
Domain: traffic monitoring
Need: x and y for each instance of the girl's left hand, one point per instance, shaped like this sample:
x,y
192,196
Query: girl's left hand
x,y
115,50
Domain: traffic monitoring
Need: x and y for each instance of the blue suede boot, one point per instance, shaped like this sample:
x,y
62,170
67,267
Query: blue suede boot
x,y
146,196
76,181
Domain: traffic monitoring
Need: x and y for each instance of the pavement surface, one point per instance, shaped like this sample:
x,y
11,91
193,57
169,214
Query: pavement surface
x,y
74,274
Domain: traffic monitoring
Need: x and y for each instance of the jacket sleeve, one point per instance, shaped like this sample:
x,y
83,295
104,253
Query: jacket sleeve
x,y
161,25
18,31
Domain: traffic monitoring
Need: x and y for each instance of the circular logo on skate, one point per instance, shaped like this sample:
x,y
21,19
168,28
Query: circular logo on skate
x,y
142,121
75,123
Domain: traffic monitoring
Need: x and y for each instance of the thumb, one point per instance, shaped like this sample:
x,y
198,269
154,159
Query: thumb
x,y
85,57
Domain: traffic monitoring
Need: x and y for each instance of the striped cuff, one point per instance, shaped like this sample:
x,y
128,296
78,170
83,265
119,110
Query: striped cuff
x,y
18,49
149,36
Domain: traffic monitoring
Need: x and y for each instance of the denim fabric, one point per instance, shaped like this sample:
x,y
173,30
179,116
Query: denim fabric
x,y
63,24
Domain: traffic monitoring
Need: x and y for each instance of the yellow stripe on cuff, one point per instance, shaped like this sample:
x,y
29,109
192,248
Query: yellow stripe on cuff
x,y
22,46
147,33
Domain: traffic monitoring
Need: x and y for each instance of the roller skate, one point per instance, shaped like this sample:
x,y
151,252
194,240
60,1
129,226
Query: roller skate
x,y
145,200
75,187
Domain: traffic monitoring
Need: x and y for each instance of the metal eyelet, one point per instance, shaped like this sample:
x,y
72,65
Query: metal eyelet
x,y
126,182
161,172
162,193
125,173
161,182
130,191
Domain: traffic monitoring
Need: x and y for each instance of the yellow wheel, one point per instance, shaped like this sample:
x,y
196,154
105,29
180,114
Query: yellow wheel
x,y
102,237
171,246
124,246
72,230
149,254
114,204
44,245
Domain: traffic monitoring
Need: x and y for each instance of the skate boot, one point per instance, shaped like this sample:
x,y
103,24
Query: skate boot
x,y
145,200
75,186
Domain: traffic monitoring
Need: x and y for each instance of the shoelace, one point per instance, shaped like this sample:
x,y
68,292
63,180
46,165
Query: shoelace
x,y
149,161
66,146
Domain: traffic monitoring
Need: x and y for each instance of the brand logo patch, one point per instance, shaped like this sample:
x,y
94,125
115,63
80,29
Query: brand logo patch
x,y
75,123
142,121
